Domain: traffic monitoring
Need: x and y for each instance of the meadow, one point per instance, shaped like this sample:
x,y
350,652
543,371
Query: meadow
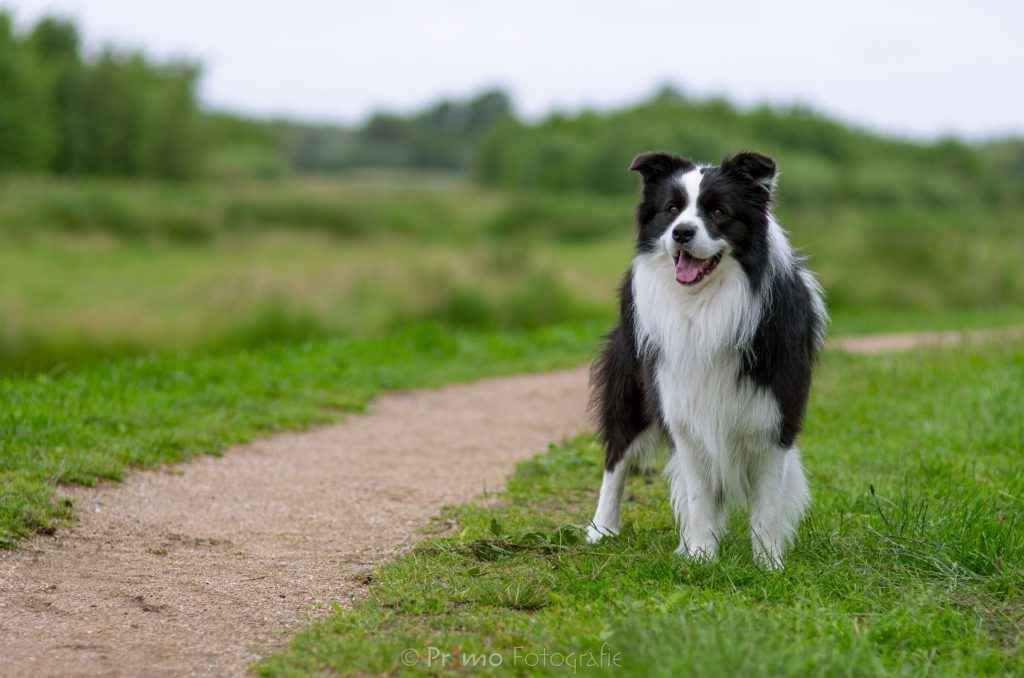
x,y
144,322
910,562
102,269
175,280
147,322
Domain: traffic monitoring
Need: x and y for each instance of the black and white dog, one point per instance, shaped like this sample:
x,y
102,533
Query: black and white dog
x,y
719,328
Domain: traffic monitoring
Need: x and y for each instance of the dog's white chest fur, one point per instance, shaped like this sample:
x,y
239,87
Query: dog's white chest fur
x,y
697,335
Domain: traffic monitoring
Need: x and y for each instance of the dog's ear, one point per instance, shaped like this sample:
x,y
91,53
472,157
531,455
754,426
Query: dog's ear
x,y
656,164
753,167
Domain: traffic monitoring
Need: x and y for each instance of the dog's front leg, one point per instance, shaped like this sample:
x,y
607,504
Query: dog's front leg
x,y
778,498
697,502
609,504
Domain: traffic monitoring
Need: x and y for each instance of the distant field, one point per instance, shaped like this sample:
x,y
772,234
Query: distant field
x,y
98,269
72,304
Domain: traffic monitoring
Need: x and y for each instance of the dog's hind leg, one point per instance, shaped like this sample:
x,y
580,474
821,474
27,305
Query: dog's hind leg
x,y
619,398
778,499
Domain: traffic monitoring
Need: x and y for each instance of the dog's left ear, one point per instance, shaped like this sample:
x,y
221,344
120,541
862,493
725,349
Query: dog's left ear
x,y
656,164
754,167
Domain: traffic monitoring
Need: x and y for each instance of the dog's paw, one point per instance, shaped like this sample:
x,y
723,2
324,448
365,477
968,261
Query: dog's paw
x,y
768,548
701,551
768,562
595,534
767,558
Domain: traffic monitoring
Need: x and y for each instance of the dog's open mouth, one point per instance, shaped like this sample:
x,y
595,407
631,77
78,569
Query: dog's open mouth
x,y
690,270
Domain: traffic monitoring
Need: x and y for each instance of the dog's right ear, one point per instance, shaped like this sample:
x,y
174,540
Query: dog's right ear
x,y
656,164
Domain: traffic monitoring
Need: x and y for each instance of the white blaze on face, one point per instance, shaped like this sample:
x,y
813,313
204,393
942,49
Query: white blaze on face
x,y
702,246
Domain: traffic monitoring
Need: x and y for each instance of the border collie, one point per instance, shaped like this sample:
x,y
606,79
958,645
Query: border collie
x,y
720,325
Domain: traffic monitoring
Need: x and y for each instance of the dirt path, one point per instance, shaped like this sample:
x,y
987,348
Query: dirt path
x,y
886,343
203,568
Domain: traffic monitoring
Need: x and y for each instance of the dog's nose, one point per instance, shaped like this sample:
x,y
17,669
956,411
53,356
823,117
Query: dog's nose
x,y
683,234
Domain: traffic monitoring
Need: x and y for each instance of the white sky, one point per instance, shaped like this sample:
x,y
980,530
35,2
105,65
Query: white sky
x,y
920,68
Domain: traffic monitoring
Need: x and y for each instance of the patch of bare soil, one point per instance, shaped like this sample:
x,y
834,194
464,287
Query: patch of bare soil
x,y
907,341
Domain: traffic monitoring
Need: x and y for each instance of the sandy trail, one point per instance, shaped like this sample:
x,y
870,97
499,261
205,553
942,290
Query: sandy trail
x,y
885,343
205,567
201,568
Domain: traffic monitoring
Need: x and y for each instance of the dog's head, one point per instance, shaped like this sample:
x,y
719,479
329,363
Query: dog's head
x,y
696,215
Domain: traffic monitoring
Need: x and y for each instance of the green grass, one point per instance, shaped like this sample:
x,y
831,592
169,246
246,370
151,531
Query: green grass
x,y
95,423
910,562
99,269
202,212
865,321
143,324
72,302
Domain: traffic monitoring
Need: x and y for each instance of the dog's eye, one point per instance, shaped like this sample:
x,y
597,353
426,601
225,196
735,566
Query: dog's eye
x,y
672,209
717,213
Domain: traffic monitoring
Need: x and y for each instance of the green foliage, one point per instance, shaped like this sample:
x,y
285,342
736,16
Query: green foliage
x,y
161,212
444,135
823,162
117,114
56,44
1007,155
132,118
910,562
26,130
241,148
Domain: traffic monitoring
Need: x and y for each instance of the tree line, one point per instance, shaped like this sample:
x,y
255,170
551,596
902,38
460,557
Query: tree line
x,y
117,113
121,113
822,161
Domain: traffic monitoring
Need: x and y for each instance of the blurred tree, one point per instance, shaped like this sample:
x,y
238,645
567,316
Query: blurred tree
x,y
55,43
445,135
136,119
118,114
486,109
27,138
173,116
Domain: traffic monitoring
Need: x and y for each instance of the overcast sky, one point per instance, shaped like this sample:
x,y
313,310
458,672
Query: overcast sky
x,y
916,68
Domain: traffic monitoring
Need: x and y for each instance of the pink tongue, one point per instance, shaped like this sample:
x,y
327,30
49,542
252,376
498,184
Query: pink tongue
x,y
688,268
